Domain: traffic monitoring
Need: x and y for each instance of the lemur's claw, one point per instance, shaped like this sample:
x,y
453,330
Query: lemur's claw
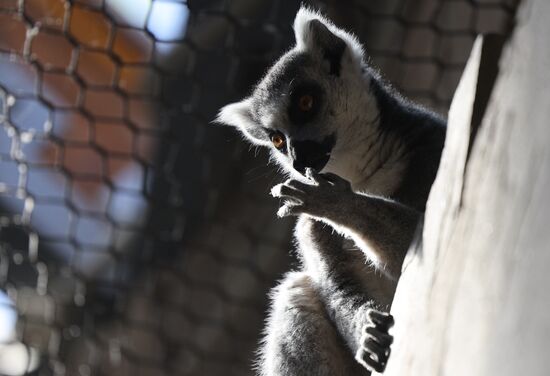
x,y
375,348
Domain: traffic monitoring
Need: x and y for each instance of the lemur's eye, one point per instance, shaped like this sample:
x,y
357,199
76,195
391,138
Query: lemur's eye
x,y
278,140
305,103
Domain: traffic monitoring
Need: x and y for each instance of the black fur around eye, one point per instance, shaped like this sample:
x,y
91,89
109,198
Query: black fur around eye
x,y
305,102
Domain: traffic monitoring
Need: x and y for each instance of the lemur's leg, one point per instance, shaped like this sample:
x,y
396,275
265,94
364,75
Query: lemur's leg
x,y
300,338
351,291
381,228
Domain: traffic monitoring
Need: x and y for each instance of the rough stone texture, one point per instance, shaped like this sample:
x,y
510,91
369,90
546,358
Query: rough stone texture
x,y
473,299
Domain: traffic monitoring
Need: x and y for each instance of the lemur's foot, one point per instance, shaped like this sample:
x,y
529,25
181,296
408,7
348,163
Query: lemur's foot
x,y
321,197
375,349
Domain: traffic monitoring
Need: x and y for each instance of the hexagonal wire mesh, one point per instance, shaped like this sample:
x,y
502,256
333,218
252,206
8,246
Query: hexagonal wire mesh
x,y
136,238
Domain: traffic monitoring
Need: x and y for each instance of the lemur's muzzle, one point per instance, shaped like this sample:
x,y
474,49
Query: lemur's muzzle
x,y
311,154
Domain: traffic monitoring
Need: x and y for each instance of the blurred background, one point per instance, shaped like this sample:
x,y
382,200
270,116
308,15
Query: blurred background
x,y
136,238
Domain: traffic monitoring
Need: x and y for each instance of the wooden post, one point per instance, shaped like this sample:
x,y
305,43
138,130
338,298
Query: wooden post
x,y
474,298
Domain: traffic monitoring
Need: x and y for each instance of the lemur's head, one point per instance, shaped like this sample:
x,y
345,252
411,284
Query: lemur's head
x,y
305,106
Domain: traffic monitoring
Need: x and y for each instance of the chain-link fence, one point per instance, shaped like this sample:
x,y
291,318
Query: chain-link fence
x,y
135,237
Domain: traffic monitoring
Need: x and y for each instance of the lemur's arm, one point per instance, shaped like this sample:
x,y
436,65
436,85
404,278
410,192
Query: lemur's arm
x,y
381,228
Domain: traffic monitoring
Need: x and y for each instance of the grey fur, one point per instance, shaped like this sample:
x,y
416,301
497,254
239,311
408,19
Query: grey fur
x,y
357,217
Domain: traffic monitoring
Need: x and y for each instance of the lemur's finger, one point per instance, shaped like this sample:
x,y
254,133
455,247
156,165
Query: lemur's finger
x,y
382,353
336,180
369,363
301,186
290,209
382,319
382,338
315,176
284,191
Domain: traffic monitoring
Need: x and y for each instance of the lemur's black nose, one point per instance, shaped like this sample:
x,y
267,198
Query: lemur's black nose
x,y
299,166
311,154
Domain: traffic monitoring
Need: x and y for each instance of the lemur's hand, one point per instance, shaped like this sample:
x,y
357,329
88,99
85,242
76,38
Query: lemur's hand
x,y
322,198
374,349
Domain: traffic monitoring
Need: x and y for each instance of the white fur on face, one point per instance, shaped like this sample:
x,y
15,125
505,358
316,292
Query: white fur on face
x,y
238,115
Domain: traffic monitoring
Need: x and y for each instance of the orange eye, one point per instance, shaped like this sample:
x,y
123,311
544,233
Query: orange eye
x,y
278,141
305,103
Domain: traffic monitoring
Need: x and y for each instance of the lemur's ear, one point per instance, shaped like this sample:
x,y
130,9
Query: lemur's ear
x,y
239,115
314,33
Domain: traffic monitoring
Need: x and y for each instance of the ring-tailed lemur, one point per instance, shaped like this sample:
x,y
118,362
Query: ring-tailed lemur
x,y
361,160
